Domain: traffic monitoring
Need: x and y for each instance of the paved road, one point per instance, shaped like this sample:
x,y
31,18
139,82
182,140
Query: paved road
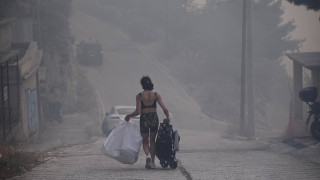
x,y
118,79
203,155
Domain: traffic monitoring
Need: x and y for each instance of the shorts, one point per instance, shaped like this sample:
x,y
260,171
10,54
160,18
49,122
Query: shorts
x,y
149,121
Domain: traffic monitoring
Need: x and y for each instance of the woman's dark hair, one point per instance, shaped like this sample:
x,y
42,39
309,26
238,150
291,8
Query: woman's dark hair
x,y
146,83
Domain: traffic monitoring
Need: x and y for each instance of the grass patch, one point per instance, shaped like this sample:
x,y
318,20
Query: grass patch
x,y
13,162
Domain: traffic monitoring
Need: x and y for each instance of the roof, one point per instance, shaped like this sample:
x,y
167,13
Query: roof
x,y
310,60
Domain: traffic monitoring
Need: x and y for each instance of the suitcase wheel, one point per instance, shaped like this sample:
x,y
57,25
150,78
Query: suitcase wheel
x,y
164,164
173,165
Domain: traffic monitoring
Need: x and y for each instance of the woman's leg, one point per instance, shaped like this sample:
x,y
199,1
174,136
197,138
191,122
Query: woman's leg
x,y
145,143
153,145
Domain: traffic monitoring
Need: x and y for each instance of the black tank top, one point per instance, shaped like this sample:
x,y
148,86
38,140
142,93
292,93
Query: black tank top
x,y
154,105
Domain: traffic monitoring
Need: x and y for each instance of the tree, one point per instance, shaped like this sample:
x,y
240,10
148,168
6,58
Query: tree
x,y
54,23
310,4
16,8
213,76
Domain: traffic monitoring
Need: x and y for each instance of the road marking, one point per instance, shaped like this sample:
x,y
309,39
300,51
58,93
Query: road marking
x,y
183,171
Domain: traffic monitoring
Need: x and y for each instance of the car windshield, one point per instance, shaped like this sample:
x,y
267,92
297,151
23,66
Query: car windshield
x,y
125,111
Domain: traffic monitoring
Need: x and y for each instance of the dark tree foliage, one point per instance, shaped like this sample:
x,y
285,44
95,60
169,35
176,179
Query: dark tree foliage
x,y
54,23
310,4
16,8
270,38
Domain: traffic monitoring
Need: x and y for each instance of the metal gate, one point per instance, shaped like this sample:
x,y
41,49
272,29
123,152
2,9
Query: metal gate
x,y
9,96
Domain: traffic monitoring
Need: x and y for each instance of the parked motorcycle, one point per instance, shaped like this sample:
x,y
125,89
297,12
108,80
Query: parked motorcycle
x,y
309,96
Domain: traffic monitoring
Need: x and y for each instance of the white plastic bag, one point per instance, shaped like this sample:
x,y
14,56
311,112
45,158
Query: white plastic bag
x,y
123,143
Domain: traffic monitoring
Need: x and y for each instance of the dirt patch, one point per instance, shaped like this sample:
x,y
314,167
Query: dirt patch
x,y
14,162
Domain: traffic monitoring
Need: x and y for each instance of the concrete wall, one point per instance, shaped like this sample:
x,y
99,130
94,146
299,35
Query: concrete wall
x,y
297,86
28,67
31,61
315,81
26,86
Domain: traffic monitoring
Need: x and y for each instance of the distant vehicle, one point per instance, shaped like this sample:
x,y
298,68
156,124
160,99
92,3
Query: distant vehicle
x,y
117,115
90,52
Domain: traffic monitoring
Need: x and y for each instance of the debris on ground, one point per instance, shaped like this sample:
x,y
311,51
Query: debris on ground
x,y
14,162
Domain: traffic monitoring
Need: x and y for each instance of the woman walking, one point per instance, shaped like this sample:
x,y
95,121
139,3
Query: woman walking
x,y
146,107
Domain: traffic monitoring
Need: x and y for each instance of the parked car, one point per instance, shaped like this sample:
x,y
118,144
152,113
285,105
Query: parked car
x,y
117,115
90,52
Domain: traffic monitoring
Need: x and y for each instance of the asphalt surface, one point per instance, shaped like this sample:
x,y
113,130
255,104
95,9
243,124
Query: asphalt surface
x,y
118,79
202,155
74,146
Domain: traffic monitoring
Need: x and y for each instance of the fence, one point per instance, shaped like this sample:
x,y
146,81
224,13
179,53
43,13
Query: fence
x,y
9,96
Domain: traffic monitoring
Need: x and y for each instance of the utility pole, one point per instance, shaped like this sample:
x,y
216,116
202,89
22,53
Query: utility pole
x,y
39,27
251,108
241,125
247,80
167,29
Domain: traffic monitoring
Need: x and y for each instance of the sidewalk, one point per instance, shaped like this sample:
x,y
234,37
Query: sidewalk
x,y
302,147
78,128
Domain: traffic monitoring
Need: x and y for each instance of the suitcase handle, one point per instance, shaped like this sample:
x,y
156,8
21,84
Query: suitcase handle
x,y
166,120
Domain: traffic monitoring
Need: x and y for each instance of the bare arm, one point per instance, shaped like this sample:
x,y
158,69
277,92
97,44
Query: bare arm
x,y
137,111
164,108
